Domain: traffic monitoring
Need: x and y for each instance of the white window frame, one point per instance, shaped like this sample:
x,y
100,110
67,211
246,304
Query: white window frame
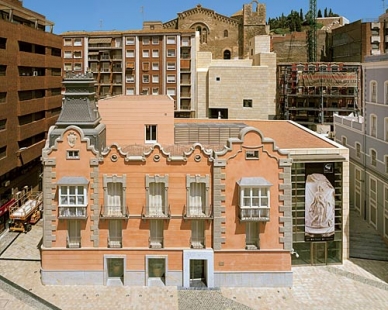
x,y
130,53
156,233
171,91
77,54
72,154
373,157
373,91
146,53
67,42
171,66
73,234
77,42
171,78
155,40
171,52
130,91
146,78
155,66
197,200
130,78
155,90
151,133
155,78
68,67
171,40
358,150
77,66
130,41
67,54
251,154
78,198
146,40
197,234
255,202
373,125
155,53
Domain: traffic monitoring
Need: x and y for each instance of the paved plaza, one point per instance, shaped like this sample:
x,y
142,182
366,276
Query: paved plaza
x,y
357,284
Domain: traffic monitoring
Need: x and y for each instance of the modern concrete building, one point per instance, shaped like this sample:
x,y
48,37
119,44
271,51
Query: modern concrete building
x,y
238,88
367,140
30,95
310,93
135,197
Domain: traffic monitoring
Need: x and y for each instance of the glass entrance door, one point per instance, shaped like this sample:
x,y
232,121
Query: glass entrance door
x,y
318,253
197,273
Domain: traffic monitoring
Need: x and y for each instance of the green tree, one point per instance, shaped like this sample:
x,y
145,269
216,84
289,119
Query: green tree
x,y
319,14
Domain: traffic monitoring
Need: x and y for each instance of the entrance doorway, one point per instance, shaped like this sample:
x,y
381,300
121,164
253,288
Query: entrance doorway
x,y
319,253
115,270
198,273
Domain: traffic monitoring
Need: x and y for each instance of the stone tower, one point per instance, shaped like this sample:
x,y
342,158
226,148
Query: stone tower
x,y
253,24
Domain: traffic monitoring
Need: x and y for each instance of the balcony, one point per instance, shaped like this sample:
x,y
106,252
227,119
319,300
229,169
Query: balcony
x,y
254,214
73,242
156,242
115,242
72,213
197,212
375,39
153,212
114,212
197,243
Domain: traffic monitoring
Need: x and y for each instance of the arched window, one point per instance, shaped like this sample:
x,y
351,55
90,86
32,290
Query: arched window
x,y
226,34
373,125
202,30
373,91
227,54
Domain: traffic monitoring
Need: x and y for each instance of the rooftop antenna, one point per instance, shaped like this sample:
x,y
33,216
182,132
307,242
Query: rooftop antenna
x,y
101,24
142,13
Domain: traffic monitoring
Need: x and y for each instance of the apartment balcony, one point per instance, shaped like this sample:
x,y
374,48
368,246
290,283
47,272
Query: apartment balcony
x,y
375,25
159,212
185,64
73,242
31,106
197,243
115,242
31,129
72,213
375,39
197,212
31,59
53,102
375,52
254,214
114,213
30,153
33,82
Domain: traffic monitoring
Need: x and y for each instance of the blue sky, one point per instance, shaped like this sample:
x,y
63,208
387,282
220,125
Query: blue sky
x,y
89,15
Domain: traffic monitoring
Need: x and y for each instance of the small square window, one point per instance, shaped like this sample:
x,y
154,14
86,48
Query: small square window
x,y
78,42
130,53
72,154
77,54
171,40
252,155
146,53
170,78
155,66
150,133
155,53
171,91
171,53
171,66
130,91
155,78
218,79
67,42
146,78
67,54
155,40
155,91
146,40
130,41
247,103
77,66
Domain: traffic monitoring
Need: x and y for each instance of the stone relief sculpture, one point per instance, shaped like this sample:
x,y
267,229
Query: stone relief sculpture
x,y
320,206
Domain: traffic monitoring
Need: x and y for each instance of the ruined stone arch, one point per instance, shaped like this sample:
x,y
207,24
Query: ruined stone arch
x,y
255,5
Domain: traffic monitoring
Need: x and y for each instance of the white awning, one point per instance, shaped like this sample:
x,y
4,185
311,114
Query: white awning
x,y
253,181
73,181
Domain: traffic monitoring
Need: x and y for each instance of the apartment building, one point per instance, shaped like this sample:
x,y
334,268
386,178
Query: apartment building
x,y
311,93
367,140
151,61
30,95
357,40
135,197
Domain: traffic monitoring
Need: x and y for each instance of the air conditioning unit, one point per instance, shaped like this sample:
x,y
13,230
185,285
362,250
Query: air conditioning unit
x,y
6,183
